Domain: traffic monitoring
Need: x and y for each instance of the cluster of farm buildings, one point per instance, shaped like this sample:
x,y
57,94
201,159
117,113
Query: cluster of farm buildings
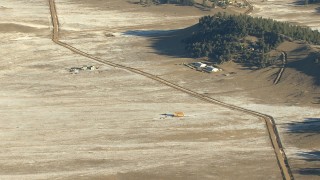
x,y
200,66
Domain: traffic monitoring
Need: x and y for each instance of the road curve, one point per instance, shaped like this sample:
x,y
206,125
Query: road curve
x,y
270,123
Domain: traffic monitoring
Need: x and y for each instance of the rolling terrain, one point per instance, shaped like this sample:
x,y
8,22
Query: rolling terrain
x,y
107,123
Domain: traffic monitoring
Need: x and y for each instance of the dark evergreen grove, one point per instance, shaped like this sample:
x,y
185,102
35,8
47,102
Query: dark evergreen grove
x,y
223,37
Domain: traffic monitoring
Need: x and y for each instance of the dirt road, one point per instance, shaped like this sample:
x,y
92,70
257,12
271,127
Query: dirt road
x,y
273,133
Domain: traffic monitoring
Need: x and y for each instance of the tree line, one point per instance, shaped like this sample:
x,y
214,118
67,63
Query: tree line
x,y
223,37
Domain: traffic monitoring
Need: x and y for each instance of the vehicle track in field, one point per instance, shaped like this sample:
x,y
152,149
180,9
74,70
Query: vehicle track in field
x,y
285,55
250,9
283,67
270,123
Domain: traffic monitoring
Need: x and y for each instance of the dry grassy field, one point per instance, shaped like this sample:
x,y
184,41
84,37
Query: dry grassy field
x,y
289,10
108,124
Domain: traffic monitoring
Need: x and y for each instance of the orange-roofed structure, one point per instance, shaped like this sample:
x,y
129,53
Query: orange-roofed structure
x,y
178,114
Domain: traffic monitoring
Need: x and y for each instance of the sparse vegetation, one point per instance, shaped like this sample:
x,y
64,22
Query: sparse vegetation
x,y
243,38
183,2
203,3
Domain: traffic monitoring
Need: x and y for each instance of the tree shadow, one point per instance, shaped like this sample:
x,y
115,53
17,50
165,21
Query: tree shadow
x,y
312,159
308,66
166,42
148,33
309,125
310,156
302,2
318,10
170,43
133,2
309,171
299,3
201,7
301,49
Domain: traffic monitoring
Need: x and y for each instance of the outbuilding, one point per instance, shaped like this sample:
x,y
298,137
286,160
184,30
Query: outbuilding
x,y
211,69
199,65
92,68
178,114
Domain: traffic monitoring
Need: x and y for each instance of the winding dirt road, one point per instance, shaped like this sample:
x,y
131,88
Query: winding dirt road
x,y
270,123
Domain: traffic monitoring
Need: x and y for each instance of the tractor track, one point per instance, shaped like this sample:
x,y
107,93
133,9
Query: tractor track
x,y
270,123
250,9
276,81
280,73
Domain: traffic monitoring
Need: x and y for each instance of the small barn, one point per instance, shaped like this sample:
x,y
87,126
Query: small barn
x,y
199,65
178,114
210,69
84,67
92,68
